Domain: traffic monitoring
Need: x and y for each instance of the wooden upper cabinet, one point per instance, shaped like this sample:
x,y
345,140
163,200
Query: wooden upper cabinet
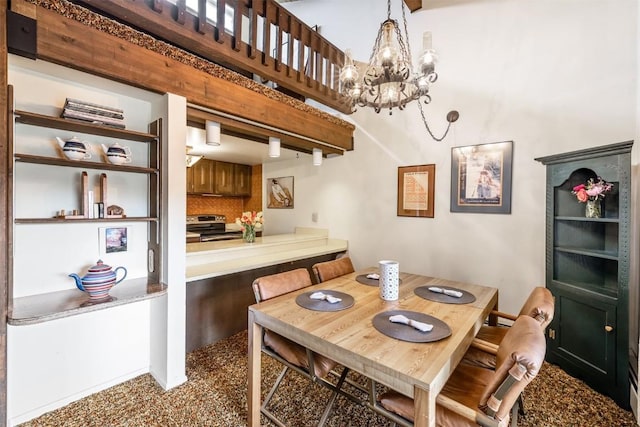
x,y
203,176
224,179
242,180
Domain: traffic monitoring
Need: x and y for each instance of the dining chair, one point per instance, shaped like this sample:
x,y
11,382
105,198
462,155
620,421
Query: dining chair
x,y
328,270
474,395
293,356
539,305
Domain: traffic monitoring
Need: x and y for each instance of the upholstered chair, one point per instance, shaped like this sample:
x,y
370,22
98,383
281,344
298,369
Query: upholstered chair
x,y
475,395
328,270
539,305
315,367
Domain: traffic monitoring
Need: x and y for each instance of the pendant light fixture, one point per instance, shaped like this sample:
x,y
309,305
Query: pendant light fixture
x,y
212,130
388,81
317,157
274,146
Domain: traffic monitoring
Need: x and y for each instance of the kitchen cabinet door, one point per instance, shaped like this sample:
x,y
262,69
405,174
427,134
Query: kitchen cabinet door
x,y
242,180
223,178
203,175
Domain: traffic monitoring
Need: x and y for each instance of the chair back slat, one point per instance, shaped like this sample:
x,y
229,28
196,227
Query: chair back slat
x,y
330,269
272,286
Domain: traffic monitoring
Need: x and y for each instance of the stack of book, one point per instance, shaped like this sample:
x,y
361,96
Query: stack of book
x,y
93,113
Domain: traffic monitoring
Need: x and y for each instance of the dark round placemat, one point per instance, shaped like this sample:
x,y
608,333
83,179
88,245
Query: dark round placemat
x,y
424,292
362,278
408,333
303,300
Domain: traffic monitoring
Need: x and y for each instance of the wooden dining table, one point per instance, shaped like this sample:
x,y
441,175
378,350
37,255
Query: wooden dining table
x,y
417,370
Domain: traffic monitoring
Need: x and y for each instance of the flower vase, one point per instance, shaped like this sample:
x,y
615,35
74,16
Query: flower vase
x,y
249,234
593,209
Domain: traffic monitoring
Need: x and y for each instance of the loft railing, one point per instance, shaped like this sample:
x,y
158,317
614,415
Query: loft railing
x,y
258,38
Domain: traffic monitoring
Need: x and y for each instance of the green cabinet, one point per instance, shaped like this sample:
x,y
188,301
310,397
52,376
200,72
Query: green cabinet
x,y
587,269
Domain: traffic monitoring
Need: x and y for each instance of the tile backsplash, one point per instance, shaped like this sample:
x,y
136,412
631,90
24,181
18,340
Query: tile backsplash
x,y
231,207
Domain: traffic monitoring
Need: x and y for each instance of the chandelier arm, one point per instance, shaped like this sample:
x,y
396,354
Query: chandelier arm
x,y
450,119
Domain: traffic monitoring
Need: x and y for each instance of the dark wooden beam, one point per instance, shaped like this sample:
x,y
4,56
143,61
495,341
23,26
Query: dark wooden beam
x,y
413,5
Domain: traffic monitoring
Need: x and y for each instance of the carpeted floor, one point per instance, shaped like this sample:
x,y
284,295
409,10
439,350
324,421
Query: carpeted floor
x,y
215,395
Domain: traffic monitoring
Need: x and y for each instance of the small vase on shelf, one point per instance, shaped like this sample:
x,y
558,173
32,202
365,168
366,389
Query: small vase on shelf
x,y
593,209
249,234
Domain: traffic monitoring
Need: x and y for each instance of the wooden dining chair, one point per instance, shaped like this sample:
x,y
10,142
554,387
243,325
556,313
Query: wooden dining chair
x,y
328,270
475,395
293,356
540,305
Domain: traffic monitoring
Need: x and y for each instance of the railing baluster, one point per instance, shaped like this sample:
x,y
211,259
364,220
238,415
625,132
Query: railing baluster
x,y
181,9
239,11
202,15
254,8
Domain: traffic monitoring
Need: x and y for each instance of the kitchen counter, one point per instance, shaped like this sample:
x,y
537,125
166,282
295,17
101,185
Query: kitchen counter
x,y
213,259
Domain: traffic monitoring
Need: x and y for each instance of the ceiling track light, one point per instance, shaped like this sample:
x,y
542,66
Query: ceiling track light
x,y
212,133
317,157
274,146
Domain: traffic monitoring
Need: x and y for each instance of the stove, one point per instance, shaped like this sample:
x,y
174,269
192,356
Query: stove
x,y
210,227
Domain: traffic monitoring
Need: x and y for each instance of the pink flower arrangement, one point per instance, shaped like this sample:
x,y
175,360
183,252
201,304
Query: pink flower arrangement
x,y
591,190
250,220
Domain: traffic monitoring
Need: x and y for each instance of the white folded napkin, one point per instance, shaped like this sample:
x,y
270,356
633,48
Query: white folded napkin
x,y
399,318
449,292
374,276
329,298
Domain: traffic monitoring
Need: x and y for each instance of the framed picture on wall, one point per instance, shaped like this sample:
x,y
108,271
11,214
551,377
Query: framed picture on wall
x,y
416,186
280,192
481,178
113,240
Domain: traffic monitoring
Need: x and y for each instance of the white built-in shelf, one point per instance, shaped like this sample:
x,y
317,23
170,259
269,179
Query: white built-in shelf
x,y
42,120
44,307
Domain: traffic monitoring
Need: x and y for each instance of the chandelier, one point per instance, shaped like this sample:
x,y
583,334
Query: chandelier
x,y
388,80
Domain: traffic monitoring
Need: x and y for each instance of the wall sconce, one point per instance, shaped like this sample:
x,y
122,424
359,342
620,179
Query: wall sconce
x,y
317,157
274,146
213,133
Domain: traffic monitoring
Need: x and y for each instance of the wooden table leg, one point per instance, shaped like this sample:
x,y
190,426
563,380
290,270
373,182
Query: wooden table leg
x,y
425,408
254,370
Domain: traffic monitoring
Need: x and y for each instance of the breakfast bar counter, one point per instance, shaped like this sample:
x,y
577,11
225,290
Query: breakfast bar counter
x,y
214,259
219,277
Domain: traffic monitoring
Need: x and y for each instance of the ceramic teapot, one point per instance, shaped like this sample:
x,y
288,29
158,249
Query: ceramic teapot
x,y
99,280
74,149
117,154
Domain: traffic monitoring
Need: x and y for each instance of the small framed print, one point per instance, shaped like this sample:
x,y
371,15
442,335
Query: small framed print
x,y
280,192
416,186
113,240
481,178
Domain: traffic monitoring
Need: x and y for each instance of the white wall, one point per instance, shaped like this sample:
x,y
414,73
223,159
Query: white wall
x,y
53,363
550,75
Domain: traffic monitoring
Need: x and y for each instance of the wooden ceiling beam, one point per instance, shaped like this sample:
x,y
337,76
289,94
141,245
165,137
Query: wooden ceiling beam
x,y
72,44
413,5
